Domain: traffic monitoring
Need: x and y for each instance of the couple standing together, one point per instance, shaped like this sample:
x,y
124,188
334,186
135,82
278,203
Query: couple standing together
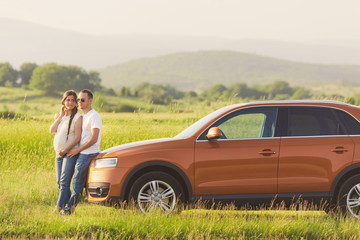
x,y
76,143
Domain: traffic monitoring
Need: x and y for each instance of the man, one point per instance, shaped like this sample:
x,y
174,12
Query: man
x,y
88,149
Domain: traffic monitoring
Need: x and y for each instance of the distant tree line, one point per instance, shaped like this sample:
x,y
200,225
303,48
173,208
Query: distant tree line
x,y
50,78
165,94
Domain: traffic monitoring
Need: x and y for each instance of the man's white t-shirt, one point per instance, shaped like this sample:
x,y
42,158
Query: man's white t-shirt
x,y
91,120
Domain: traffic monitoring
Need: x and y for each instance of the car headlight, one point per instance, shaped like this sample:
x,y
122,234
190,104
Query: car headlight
x,y
106,163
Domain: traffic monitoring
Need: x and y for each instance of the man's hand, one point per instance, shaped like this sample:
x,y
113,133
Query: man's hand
x,y
73,152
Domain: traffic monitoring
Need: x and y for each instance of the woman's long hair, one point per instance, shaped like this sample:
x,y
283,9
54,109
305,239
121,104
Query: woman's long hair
x,y
75,109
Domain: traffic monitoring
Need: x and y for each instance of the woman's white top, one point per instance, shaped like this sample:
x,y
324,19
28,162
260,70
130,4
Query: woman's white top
x,y
61,139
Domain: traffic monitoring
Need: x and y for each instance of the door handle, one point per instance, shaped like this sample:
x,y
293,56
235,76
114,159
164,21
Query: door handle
x,y
339,150
267,152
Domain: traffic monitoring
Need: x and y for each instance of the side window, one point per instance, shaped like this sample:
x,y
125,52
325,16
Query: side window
x,y
351,124
312,121
249,123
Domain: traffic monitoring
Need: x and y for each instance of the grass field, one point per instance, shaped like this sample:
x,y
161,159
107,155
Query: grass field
x,y
33,102
28,193
28,190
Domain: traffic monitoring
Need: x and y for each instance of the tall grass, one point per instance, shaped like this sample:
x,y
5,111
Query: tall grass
x,y
28,193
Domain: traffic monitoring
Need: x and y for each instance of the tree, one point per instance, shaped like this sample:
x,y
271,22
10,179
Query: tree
x,y
278,87
50,78
108,91
214,92
141,86
172,91
190,94
77,78
301,93
243,91
26,71
94,80
156,93
127,92
124,92
8,75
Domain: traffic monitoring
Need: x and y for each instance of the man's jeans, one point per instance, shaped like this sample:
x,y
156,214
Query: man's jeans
x,y
64,167
80,177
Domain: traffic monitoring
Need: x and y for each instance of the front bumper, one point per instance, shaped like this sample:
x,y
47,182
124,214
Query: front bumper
x,y
98,190
105,183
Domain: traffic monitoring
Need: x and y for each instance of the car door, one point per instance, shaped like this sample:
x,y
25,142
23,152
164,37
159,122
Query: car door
x,y
244,160
314,148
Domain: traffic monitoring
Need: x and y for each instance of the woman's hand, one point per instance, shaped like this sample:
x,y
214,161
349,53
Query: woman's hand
x,y
62,112
57,118
61,153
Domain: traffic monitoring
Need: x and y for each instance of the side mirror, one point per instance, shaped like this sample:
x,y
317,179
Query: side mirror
x,y
213,133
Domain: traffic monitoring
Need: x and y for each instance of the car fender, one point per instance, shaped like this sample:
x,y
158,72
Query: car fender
x,y
155,163
339,177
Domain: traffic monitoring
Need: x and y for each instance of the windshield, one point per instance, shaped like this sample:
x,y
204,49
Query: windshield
x,y
200,123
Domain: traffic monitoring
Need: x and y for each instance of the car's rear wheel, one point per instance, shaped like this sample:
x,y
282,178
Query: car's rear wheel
x,y
349,196
156,191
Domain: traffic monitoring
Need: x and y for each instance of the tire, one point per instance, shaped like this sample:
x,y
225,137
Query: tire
x,y
156,191
349,196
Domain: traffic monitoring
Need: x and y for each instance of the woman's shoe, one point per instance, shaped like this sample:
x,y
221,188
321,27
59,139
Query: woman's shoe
x,y
56,210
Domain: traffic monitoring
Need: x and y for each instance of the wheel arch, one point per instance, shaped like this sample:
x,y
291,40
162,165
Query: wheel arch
x,y
156,165
345,174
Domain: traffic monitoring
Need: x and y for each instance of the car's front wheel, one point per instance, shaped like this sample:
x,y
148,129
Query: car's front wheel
x,y
156,191
349,196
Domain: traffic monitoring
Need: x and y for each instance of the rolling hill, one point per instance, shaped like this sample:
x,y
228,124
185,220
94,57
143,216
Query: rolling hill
x,y
199,70
29,42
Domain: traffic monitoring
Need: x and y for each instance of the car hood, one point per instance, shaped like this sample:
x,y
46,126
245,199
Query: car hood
x,y
135,144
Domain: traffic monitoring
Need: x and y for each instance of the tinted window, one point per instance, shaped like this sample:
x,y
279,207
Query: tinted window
x,y
249,123
312,121
351,124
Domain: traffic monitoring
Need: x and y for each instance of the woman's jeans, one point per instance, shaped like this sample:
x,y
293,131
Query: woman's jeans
x,y
64,167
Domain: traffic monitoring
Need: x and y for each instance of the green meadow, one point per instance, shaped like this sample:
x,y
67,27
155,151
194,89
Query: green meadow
x,y
28,189
28,193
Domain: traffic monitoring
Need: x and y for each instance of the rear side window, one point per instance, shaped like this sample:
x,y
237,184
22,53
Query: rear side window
x,y
312,121
351,124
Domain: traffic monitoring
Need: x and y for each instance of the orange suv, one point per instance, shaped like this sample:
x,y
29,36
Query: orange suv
x,y
244,153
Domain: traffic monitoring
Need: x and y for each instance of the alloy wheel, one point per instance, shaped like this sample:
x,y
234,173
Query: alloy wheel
x,y
353,200
156,195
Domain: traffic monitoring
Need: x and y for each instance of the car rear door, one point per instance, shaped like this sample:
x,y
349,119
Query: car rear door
x,y
314,148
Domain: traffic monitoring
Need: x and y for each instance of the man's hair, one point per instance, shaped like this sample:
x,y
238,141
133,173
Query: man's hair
x,y
89,93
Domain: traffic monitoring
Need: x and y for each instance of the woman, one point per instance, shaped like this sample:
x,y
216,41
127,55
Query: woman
x,y
67,130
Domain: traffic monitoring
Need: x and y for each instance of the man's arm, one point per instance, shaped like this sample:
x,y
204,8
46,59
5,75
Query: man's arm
x,y
94,137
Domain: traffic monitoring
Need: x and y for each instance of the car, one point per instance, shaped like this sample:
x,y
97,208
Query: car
x,y
244,153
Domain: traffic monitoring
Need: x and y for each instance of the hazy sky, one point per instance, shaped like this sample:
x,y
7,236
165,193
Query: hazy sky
x,y
270,19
